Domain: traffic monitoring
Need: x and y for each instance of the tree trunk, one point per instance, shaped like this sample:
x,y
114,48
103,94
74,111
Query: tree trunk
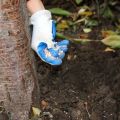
x,y
18,82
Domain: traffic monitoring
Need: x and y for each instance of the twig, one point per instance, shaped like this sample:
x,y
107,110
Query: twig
x,y
74,4
98,8
86,107
79,21
84,40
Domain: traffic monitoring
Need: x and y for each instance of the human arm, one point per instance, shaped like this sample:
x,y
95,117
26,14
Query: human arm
x,y
43,37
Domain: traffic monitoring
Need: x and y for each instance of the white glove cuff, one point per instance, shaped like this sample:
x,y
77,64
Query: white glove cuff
x,y
42,29
42,14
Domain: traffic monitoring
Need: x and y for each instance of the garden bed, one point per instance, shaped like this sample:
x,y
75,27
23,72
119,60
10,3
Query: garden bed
x,y
85,87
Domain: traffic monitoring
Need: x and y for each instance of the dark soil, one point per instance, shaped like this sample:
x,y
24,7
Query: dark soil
x,y
85,87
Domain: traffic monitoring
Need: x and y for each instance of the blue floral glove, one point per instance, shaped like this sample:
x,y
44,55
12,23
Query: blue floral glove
x,y
43,39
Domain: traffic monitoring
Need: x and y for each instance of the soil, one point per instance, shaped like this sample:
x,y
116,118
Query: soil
x,y
85,87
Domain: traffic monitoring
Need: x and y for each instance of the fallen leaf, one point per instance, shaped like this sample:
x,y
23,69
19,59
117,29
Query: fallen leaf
x,y
109,50
44,104
36,111
108,33
84,36
59,11
112,41
86,13
62,25
91,22
78,1
87,30
60,35
107,13
81,10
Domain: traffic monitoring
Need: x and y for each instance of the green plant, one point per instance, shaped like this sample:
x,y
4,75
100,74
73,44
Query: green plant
x,y
78,1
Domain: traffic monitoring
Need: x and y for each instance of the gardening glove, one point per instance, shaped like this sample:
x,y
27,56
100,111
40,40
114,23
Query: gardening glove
x,y
43,36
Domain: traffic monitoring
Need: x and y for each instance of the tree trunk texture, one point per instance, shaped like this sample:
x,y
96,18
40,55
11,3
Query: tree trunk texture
x,y
18,81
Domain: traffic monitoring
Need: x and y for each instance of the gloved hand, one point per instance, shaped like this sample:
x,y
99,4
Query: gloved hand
x,y
43,36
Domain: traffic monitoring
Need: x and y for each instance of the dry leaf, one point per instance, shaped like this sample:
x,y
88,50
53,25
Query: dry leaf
x,y
112,41
44,104
36,111
83,36
108,33
63,25
87,30
109,50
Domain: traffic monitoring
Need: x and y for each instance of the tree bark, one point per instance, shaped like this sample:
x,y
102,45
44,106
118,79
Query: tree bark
x,y
18,81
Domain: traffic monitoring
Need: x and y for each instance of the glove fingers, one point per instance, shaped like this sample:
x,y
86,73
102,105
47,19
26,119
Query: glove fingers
x,y
52,56
61,54
63,45
58,52
43,53
63,42
54,52
63,48
42,46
